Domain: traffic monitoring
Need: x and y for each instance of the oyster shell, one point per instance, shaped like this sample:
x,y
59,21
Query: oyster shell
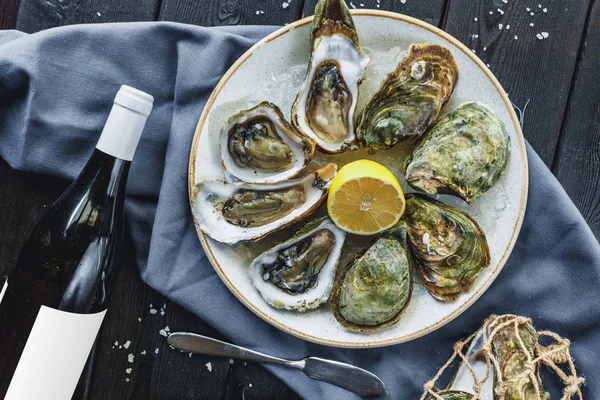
x,y
259,146
373,290
298,274
464,154
233,212
409,99
325,105
513,360
449,246
453,395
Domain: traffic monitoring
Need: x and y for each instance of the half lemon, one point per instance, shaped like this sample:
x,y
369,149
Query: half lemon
x,y
365,198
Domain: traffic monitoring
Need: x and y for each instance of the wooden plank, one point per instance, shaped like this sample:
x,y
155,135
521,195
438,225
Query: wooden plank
x,y
8,13
504,35
429,11
231,12
577,161
37,15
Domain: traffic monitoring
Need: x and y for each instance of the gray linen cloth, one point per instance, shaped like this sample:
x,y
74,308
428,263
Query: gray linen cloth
x,y
56,89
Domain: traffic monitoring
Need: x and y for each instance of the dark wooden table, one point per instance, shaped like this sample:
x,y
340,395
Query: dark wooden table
x,y
551,78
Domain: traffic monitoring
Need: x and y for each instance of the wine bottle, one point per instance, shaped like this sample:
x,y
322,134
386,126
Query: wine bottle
x,y
54,299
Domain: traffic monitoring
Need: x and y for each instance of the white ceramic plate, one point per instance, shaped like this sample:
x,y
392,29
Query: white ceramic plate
x,y
272,70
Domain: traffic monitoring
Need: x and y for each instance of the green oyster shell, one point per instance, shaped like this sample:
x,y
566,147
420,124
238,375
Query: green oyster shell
x,y
452,395
332,17
513,359
450,248
373,290
409,99
464,154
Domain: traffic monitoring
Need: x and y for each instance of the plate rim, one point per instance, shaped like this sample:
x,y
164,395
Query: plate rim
x,y
474,296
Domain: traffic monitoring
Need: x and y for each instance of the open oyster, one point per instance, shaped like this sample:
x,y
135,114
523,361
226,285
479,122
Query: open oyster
x,y
232,212
449,247
324,108
373,290
259,146
298,274
464,154
409,99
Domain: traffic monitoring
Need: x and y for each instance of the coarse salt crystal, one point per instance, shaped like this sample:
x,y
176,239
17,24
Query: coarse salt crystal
x,y
500,26
249,385
403,1
162,312
484,48
531,24
545,10
127,344
128,370
285,5
501,11
231,361
98,14
516,37
164,333
130,357
528,9
156,351
116,343
507,26
208,366
153,311
545,35
143,352
539,36
475,19
532,13
190,355
139,319
126,379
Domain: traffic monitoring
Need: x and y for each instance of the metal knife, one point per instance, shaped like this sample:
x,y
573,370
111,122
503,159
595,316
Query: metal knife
x,y
340,374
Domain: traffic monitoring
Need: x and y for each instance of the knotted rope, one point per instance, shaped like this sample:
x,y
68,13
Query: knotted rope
x,y
553,355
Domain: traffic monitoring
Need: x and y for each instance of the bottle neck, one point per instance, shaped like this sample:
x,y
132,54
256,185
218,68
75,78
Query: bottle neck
x,y
121,133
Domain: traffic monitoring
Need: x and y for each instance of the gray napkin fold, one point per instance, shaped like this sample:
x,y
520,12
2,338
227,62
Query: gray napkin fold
x,y
56,89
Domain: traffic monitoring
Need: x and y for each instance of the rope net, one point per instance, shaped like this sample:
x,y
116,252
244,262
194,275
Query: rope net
x,y
511,349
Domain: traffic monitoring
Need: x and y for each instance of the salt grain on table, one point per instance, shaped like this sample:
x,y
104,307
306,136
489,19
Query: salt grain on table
x,y
130,358
128,370
156,351
531,24
545,10
139,319
143,352
231,361
116,343
162,312
285,5
500,26
475,19
190,355
164,333
208,366
501,11
126,379
153,311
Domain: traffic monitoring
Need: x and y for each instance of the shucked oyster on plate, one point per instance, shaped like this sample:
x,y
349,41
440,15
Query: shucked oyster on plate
x,y
259,146
325,105
464,154
450,248
373,290
409,99
298,274
233,212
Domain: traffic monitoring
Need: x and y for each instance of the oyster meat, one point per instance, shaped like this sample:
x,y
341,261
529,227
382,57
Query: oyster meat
x,y
513,359
298,274
450,248
259,146
325,105
464,154
374,289
231,212
409,99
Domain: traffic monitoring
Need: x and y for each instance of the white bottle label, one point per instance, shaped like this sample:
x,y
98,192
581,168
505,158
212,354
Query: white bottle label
x,y
55,355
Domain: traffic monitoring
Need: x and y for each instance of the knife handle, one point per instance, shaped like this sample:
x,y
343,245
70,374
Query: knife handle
x,y
199,344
